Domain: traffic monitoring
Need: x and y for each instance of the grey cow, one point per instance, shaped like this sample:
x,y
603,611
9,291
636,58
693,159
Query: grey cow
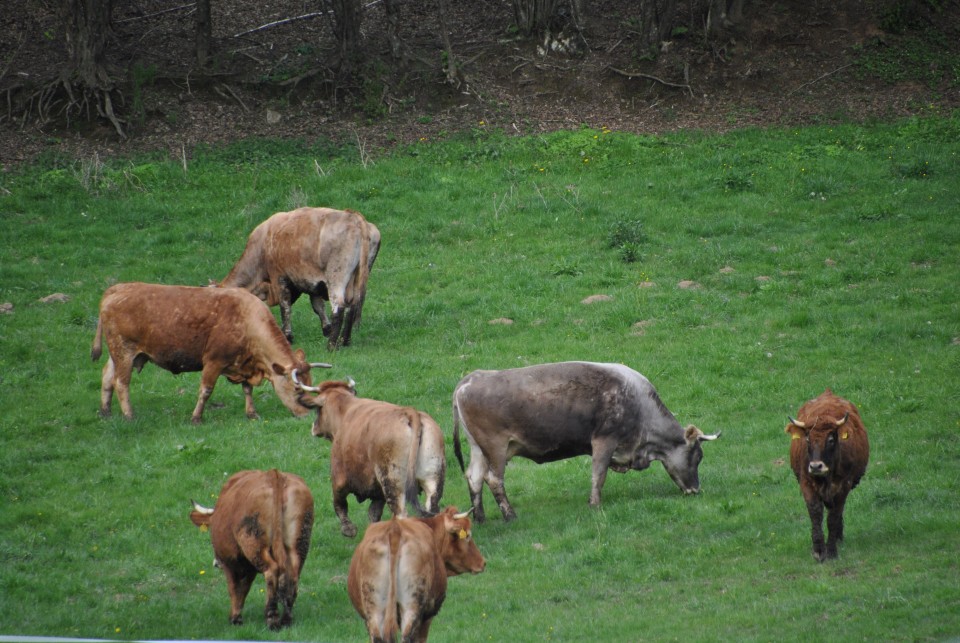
x,y
556,411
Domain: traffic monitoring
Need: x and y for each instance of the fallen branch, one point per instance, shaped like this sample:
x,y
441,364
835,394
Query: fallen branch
x,y
816,80
158,13
306,16
636,74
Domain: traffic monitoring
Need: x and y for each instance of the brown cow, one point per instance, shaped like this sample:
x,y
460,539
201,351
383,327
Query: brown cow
x,y
217,331
380,451
398,573
261,523
828,452
320,252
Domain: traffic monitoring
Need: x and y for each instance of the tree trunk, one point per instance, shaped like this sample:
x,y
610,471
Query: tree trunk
x,y
346,25
204,41
533,16
86,79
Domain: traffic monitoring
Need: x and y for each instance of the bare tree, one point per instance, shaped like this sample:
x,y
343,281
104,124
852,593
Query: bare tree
x,y
204,39
86,80
346,28
533,17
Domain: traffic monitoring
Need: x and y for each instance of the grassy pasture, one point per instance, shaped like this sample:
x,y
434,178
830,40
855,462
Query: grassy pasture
x,y
821,256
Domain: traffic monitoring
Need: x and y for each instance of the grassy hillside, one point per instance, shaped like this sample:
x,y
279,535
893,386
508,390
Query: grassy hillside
x,y
743,274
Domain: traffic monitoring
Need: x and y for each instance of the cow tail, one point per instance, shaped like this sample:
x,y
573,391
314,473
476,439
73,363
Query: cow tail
x,y
97,349
363,272
456,432
279,544
412,490
391,618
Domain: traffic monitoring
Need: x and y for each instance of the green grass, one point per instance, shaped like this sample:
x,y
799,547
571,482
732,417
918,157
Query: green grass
x,y
822,256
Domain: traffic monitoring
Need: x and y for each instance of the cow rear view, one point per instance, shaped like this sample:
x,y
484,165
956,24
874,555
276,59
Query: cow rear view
x,y
261,524
398,574
829,451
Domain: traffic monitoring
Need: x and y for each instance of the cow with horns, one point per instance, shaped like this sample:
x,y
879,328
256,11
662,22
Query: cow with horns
x,y
217,331
828,453
261,524
398,573
380,451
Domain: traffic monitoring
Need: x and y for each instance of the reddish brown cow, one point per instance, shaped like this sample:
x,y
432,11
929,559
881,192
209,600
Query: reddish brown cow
x,y
261,524
828,452
398,573
380,451
320,252
217,331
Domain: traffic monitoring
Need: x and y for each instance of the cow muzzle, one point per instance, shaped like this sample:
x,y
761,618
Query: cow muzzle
x,y
818,468
691,491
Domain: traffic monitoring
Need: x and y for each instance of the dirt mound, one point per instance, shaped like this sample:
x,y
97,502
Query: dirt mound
x,y
789,63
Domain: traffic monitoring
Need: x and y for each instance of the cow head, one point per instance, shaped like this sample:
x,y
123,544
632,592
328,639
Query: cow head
x,y
682,462
323,425
289,381
200,516
822,436
459,552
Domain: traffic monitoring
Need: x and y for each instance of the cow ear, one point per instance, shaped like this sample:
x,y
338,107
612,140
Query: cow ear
x,y
796,432
300,355
692,435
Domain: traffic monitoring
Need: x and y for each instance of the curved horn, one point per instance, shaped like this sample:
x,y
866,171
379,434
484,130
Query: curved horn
x,y
300,386
201,509
463,515
353,385
843,421
797,423
708,438
320,365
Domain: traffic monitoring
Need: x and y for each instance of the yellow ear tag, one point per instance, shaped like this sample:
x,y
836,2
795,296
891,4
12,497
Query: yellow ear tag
x,y
795,437
463,534
204,528
844,435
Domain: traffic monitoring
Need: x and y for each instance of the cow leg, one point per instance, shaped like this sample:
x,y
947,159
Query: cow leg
x,y
815,509
494,478
476,471
347,528
319,303
835,525
602,454
336,322
208,379
238,585
420,636
248,401
375,512
106,387
271,576
120,374
348,325
286,303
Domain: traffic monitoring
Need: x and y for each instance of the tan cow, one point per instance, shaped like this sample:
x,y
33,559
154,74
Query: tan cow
x,y
217,331
261,524
398,573
324,253
380,451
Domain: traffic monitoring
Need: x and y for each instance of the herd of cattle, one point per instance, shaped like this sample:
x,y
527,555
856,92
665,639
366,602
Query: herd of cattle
x,y
390,454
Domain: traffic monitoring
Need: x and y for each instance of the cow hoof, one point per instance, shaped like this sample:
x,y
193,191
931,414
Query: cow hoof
x,y
196,420
104,413
236,620
348,530
253,416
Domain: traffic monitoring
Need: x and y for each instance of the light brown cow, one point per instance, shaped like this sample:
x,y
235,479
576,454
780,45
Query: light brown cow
x,y
324,253
217,331
261,524
398,573
829,451
380,451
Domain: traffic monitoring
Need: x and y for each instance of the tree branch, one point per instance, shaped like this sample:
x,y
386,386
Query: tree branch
x,y
636,74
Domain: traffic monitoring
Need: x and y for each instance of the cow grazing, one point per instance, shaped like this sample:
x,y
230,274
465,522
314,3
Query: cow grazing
x,y
320,252
556,411
217,331
260,524
398,573
828,453
380,451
